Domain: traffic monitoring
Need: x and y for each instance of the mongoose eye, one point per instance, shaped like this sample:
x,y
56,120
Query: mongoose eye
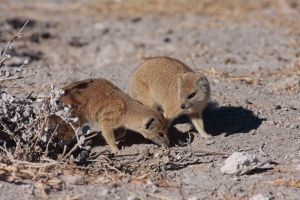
x,y
160,134
192,95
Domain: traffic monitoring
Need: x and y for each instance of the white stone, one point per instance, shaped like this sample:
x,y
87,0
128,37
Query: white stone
x,y
193,198
240,163
259,197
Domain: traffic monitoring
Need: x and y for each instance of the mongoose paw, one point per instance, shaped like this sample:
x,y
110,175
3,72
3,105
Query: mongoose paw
x,y
205,135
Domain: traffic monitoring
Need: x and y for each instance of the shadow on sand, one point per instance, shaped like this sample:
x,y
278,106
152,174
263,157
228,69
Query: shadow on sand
x,y
217,120
229,120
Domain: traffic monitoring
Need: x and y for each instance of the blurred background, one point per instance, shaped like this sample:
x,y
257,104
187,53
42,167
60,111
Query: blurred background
x,y
86,36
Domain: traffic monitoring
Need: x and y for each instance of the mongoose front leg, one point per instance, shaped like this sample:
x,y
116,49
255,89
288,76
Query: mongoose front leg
x,y
169,117
198,123
109,137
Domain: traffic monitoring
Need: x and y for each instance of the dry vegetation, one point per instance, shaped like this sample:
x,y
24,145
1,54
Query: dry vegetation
x,y
27,150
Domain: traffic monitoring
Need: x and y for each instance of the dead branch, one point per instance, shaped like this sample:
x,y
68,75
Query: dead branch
x,y
5,56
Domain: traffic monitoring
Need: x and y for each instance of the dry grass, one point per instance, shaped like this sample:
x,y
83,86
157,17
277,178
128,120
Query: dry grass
x,y
286,11
285,182
262,76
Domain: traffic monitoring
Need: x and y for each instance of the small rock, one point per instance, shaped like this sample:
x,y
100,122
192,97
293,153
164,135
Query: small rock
x,y
259,197
145,152
167,39
209,142
105,192
247,102
193,198
240,163
154,189
1,186
277,107
252,132
150,182
272,123
131,197
184,128
73,180
292,126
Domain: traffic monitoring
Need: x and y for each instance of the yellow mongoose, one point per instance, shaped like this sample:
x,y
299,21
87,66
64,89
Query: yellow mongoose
x,y
98,100
172,87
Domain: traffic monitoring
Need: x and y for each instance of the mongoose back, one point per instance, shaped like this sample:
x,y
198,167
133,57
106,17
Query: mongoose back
x,y
172,87
98,100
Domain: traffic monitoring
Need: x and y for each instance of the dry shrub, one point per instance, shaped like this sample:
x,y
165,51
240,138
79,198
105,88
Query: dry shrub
x,y
25,140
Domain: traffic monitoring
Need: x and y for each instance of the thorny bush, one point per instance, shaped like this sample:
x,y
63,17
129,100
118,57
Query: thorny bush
x,y
23,121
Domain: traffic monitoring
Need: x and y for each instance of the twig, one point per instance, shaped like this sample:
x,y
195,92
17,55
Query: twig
x,y
22,79
78,196
63,153
210,152
44,194
72,150
4,56
285,182
10,133
47,146
9,155
111,167
35,165
159,196
11,78
261,149
87,138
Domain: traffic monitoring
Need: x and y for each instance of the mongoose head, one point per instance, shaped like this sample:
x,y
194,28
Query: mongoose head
x,y
193,90
155,129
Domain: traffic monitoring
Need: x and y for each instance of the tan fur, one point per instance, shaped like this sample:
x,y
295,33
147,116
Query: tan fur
x,y
165,84
98,100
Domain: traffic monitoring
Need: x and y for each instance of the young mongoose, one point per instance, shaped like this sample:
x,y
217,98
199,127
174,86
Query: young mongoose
x,y
99,101
172,87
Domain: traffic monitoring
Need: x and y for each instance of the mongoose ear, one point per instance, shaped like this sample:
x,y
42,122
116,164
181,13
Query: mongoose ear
x,y
149,124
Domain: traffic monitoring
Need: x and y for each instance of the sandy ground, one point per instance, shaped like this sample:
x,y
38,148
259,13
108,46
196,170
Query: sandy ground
x,y
251,58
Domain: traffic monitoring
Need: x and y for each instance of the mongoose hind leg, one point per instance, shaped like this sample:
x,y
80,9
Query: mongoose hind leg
x,y
197,120
121,132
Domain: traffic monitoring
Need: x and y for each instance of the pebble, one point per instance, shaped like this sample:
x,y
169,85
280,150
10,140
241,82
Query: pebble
x,y
252,132
132,197
292,126
73,180
154,189
193,198
209,142
259,197
105,192
277,107
247,102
